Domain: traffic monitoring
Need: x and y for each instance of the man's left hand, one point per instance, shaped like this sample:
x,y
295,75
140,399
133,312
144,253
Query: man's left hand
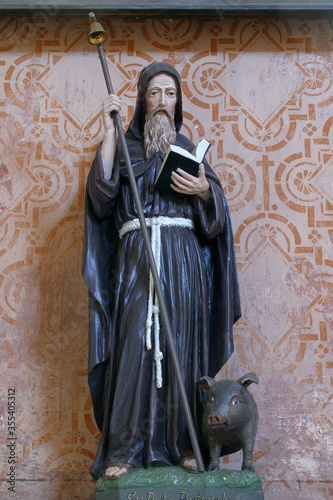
x,y
189,184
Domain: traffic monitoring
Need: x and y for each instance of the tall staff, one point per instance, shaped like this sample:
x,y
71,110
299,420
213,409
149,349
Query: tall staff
x,y
97,36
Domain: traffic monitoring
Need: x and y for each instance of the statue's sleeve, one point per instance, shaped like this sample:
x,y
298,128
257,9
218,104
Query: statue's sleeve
x,y
210,215
101,191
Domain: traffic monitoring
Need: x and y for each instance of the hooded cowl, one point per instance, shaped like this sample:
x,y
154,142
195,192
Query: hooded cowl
x,y
137,124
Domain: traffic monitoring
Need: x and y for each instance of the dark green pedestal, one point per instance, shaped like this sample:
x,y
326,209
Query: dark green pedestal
x,y
174,483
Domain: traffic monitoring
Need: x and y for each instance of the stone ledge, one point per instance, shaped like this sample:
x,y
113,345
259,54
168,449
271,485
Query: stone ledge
x,y
175,483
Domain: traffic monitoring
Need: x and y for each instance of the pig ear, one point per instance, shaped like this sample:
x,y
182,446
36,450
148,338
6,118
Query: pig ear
x,y
248,379
205,383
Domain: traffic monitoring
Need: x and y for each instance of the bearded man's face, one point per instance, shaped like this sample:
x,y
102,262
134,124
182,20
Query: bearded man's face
x,y
161,100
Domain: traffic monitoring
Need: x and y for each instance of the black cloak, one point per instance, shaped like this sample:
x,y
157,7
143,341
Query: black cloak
x,y
198,276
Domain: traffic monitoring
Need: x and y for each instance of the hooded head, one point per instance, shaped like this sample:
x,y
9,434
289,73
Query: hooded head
x,y
138,120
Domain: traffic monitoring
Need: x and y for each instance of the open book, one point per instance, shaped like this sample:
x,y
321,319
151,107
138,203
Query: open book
x,y
177,157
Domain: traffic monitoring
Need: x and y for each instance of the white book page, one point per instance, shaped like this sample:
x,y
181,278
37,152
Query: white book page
x,y
183,152
200,151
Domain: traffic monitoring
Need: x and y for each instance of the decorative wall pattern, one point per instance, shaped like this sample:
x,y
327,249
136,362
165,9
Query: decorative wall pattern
x,y
261,92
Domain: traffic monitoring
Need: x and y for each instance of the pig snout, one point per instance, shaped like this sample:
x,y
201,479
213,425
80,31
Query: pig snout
x,y
215,420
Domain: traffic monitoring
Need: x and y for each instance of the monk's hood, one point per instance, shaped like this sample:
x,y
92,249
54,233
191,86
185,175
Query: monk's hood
x,y
137,124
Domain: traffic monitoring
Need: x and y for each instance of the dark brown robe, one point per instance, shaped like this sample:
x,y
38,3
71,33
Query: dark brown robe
x,y
141,424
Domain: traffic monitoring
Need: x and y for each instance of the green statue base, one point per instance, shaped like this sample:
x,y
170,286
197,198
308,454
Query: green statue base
x,y
175,483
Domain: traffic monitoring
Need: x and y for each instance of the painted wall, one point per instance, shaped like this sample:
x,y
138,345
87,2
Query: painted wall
x,y
261,92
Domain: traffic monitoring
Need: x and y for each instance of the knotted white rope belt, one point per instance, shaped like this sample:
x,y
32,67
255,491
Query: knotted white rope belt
x,y
155,223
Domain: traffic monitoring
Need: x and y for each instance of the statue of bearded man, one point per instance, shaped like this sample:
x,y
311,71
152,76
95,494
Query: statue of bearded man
x,y
136,402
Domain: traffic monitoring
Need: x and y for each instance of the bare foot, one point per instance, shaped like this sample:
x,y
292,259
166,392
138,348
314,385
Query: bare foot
x,y
189,463
117,471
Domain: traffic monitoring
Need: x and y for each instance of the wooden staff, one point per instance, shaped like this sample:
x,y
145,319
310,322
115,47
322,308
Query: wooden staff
x,y
97,36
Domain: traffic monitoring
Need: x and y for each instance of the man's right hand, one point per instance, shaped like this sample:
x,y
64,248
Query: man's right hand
x,y
111,103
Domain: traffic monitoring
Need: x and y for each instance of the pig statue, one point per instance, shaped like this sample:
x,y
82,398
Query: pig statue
x,y
230,419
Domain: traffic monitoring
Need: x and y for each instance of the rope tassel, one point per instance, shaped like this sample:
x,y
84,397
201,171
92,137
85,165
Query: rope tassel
x,y
153,312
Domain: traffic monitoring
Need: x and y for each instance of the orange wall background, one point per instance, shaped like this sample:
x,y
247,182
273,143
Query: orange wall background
x,y
261,92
